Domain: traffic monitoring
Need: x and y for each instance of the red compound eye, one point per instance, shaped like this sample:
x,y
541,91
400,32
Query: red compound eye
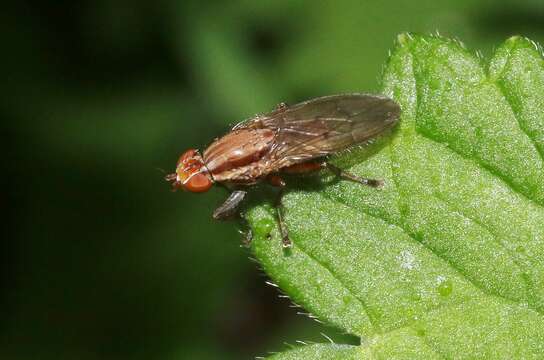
x,y
198,183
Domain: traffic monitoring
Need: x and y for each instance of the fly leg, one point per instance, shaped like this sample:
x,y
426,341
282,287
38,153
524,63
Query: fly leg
x,y
375,183
230,208
286,242
308,167
277,181
247,235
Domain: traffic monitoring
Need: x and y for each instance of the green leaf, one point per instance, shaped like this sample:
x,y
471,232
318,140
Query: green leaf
x,y
321,351
447,260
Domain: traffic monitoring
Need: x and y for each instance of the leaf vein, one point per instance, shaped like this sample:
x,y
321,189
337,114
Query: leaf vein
x,y
529,287
483,166
510,103
419,241
337,277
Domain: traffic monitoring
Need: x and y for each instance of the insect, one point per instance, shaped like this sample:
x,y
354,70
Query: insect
x,y
290,139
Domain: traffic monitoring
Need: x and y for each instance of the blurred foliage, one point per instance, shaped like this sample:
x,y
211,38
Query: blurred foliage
x,y
100,260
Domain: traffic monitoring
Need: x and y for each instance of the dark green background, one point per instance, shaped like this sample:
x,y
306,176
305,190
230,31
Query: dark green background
x,y
101,260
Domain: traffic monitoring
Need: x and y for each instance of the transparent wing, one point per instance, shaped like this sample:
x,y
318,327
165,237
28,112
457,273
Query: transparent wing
x,y
324,125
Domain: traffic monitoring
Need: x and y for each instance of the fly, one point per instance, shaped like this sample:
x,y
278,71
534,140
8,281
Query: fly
x,y
290,139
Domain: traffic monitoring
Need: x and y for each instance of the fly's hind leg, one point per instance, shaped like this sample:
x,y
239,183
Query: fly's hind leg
x,y
277,181
375,183
308,167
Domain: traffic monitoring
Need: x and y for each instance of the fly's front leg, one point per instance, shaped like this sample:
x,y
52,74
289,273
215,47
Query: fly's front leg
x,y
351,177
231,206
277,181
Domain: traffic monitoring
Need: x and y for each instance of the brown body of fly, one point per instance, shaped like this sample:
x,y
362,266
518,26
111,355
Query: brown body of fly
x,y
290,139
